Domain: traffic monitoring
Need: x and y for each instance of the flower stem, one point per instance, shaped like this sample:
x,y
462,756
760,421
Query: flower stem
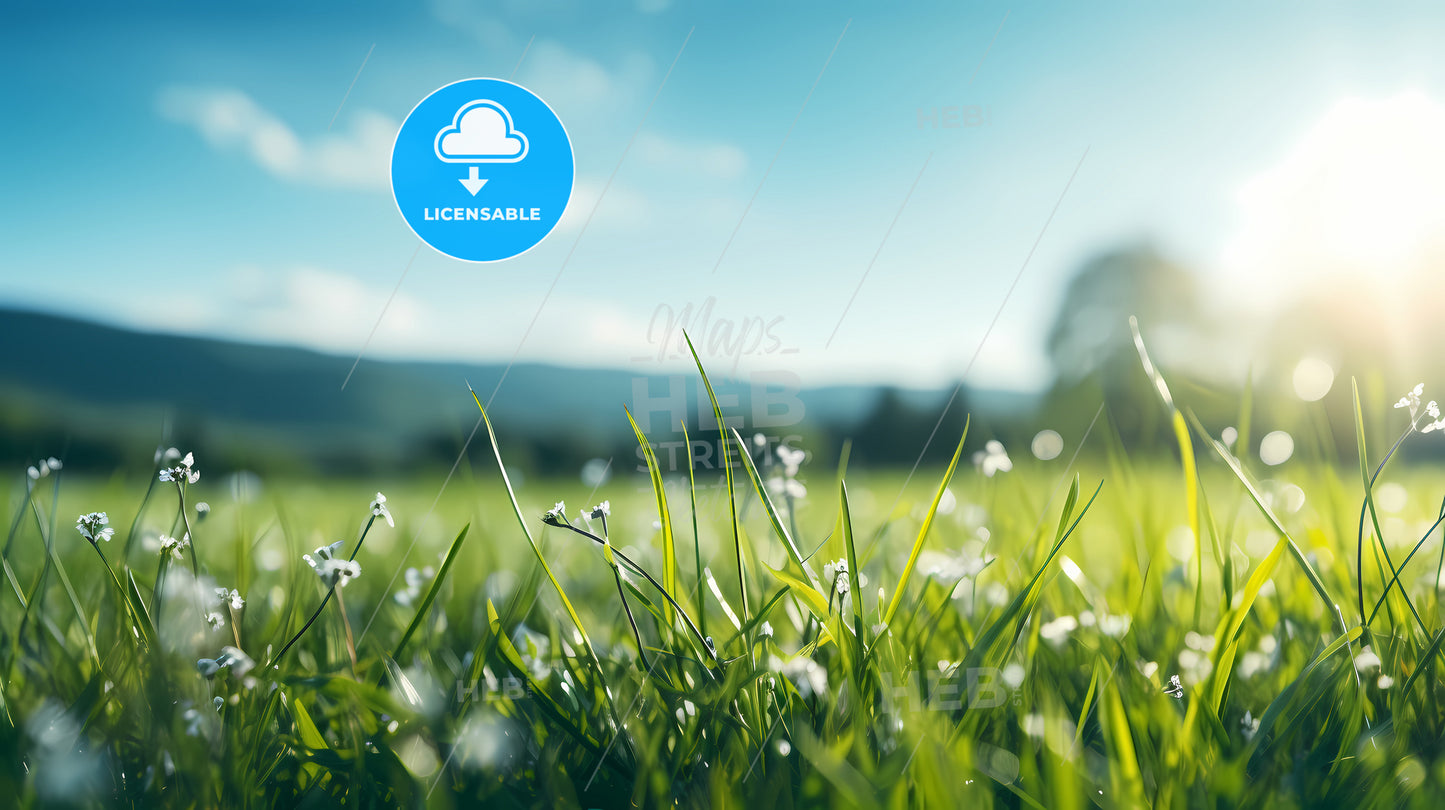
x,y
322,606
130,609
640,571
641,650
186,520
346,623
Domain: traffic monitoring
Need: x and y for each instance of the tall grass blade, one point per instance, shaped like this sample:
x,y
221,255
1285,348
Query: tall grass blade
x,y
923,530
669,550
431,593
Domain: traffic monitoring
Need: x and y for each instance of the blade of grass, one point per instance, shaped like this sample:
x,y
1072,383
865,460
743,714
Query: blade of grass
x,y
846,525
1282,701
696,542
1186,460
527,531
1226,638
1369,505
1274,522
728,473
923,530
1022,603
778,528
669,550
431,593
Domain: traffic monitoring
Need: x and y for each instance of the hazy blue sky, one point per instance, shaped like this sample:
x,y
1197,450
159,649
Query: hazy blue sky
x,y
172,168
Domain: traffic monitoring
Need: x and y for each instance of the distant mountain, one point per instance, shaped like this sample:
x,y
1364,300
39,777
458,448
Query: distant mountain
x,y
104,391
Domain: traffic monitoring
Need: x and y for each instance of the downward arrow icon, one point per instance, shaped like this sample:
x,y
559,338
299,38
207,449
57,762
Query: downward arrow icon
x,y
472,182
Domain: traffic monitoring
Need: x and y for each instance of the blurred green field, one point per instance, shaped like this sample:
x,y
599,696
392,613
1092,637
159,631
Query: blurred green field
x,y
1036,630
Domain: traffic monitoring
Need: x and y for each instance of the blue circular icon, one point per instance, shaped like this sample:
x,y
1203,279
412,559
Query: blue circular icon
x,y
482,170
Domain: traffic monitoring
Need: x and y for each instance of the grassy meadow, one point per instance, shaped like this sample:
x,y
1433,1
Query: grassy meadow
x,y
1185,629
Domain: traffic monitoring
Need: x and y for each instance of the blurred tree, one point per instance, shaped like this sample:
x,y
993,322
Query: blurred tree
x,y
1092,350
896,430
1092,325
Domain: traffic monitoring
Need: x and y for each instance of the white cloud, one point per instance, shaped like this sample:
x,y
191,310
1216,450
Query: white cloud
x,y
229,119
622,209
303,305
575,84
720,160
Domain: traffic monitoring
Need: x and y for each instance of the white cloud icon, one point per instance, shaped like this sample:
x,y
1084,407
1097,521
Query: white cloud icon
x,y
481,132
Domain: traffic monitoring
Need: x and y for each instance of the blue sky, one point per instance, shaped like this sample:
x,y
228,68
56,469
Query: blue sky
x,y
172,168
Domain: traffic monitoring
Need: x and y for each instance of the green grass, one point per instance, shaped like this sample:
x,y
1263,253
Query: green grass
x,y
1006,641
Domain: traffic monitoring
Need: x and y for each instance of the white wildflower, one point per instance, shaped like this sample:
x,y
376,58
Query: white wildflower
x,y
791,458
378,509
232,597
1385,682
603,509
1253,663
203,511
766,630
1058,631
239,662
786,483
182,472
1412,400
414,580
1175,689
1033,725
558,512
89,526
1195,641
1432,410
1250,724
328,552
233,657
1114,626
1438,424
43,468
1196,665
216,620
789,487
1367,660
334,572
992,459
173,546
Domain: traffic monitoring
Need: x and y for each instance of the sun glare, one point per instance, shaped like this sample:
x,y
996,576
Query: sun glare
x,y
1362,193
